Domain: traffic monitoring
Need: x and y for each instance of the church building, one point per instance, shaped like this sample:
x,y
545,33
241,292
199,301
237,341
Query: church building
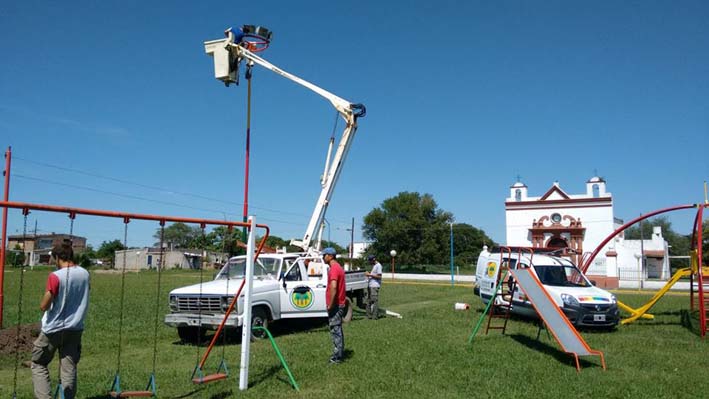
x,y
578,223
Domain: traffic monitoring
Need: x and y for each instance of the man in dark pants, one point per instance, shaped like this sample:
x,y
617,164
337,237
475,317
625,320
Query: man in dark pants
x,y
65,301
335,300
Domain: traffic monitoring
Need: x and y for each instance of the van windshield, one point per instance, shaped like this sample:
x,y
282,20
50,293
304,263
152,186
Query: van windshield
x,y
236,268
561,276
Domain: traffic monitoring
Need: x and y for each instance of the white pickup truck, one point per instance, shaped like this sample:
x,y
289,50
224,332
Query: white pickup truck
x,y
283,288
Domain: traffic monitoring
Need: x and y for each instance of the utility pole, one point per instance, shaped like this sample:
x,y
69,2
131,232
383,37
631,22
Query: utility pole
x,y
352,241
452,276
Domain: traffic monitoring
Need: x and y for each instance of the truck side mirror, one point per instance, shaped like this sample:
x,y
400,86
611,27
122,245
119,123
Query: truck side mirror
x,y
593,283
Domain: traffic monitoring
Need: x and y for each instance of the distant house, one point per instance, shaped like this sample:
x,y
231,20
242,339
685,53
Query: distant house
x,y
149,258
37,247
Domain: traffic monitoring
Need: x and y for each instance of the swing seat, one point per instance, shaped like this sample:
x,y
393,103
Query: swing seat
x,y
131,394
210,378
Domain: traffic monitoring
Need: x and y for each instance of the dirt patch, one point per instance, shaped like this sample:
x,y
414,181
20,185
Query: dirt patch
x,y
10,341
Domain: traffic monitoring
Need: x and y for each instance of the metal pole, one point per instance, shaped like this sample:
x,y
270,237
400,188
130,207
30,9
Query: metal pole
x,y
3,247
246,325
352,241
248,148
452,279
642,256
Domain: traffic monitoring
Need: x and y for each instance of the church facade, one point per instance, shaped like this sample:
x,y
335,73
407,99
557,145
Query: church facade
x,y
578,223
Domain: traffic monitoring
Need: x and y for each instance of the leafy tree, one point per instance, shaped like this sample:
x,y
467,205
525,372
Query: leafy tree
x,y
679,244
85,257
468,242
411,224
15,257
107,250
180,235
340,249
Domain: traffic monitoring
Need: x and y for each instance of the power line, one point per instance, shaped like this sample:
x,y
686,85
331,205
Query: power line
x,y
154,188
143,198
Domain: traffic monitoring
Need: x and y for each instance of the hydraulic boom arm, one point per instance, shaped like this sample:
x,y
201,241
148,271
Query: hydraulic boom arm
x,y
227,57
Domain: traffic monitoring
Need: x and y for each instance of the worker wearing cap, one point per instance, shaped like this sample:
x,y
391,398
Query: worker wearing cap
x,y
374,283
335,300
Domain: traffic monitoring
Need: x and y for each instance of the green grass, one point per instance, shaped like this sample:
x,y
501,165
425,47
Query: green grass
x,y
425,354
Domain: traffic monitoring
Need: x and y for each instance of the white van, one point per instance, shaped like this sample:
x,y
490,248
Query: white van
x,y
582,302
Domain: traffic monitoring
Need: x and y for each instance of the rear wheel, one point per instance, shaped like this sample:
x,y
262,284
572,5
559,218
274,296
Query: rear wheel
x,y
347,317
191,335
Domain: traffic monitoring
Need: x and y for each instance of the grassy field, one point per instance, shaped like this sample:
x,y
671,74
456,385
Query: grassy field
x,y
423,355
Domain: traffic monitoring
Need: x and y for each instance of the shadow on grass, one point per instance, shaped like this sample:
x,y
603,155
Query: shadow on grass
x,y
545,348
690,321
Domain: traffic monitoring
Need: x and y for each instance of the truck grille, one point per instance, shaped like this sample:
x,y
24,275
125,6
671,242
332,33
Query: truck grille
x,y
205,304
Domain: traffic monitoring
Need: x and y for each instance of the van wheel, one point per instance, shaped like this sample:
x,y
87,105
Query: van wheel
x,y
347,317
259,318
191,335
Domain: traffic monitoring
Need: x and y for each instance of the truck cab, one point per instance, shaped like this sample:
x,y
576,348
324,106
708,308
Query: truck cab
x,y
583,304
285,286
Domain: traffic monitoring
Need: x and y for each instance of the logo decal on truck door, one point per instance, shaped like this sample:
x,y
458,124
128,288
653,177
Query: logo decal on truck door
x,y
491,268
302,297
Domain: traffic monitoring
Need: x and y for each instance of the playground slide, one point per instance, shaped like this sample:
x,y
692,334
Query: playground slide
x,y
639,312
555,320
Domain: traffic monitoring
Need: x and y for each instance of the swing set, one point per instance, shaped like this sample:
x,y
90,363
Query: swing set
x,y
116,391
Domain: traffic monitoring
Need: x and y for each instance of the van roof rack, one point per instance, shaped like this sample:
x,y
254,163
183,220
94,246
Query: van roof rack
x,y
537,250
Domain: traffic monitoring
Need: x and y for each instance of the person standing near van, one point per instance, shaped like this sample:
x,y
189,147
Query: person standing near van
x,y
64,303
335,301
374,283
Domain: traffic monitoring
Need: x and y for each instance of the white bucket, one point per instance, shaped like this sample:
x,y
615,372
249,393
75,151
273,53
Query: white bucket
x,y
461,306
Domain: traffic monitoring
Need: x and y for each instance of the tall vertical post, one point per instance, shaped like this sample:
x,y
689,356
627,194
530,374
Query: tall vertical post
x,y
642,256
246,314
3,246
452,274
248,148
352,241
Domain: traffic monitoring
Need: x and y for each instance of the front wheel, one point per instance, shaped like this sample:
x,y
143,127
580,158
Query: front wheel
x,y
259,318
191,335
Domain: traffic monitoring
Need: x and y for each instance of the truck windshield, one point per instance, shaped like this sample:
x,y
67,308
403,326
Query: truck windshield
x,y
561,276
236,268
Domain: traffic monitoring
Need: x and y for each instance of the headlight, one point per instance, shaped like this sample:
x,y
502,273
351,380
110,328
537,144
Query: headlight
x,y
226,301
173,302
614,300
570,300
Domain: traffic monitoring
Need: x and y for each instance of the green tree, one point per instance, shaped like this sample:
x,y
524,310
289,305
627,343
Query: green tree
x,y
107,250
679,244
468,242
181,235
411,224
85,258
15,257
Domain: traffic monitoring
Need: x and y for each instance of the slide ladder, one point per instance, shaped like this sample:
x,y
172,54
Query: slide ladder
x,y
557,323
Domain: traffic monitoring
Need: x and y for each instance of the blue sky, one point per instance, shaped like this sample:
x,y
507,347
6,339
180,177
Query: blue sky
x,y
462,96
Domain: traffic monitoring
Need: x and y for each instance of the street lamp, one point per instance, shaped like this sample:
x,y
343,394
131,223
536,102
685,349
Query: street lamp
x,y
393,256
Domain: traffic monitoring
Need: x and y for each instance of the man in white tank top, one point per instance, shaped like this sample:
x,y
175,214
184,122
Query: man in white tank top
x,y
65,301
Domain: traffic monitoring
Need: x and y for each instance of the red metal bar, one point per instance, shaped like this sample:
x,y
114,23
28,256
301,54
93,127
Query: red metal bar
x,y
8,161
617,231
123,215
700,274
248,149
